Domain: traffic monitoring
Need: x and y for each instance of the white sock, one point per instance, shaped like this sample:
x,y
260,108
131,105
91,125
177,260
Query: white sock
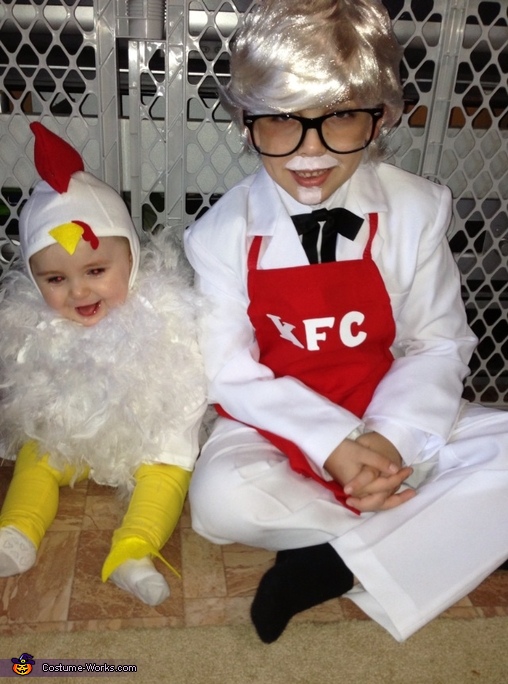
x,y
17,552
140,578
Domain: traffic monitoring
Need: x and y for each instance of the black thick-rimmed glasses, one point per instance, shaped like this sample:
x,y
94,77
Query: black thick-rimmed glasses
x,y
344,131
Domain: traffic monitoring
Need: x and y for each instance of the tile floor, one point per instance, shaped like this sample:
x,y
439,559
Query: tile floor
x,y
64,591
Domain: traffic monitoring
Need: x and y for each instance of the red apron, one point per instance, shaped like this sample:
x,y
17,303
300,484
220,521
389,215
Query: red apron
x,y
328,325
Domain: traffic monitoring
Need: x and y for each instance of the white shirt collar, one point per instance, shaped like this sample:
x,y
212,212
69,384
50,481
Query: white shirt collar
x,y
270,205
361,194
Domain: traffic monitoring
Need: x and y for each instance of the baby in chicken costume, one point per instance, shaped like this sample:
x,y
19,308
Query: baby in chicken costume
x,y
101,376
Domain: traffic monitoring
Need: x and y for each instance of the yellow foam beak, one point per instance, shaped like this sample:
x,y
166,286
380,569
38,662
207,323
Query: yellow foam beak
x,y
67,235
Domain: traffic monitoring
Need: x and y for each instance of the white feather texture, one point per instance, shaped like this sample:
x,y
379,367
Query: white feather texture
x,y
126,391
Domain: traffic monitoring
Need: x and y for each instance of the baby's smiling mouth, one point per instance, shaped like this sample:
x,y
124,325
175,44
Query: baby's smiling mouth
x,y
88,310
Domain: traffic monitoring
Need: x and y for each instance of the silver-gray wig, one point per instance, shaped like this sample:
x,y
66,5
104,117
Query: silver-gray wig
x,y
291,55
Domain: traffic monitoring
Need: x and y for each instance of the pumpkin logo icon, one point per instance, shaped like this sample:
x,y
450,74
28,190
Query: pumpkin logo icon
x,y
23,665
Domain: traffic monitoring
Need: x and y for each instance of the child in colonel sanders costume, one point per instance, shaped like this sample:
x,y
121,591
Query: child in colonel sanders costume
x,y
337,341
100,372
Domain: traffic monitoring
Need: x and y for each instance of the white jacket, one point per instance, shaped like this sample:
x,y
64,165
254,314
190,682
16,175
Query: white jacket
x,y
416,404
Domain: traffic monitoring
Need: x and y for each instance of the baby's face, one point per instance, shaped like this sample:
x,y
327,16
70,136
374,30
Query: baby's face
x,y
86,285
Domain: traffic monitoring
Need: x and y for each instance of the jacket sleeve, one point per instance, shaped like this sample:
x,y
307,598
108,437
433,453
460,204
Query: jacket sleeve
x,y
417,402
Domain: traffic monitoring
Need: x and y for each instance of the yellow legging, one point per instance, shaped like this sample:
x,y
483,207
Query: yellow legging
x,y
154,509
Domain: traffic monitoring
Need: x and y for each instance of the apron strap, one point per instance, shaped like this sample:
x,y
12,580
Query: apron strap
x,y
253,256
373,223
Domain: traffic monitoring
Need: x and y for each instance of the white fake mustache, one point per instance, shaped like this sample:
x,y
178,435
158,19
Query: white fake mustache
x,y
301,163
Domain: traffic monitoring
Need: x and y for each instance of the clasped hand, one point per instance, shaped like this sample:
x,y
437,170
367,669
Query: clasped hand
x,y
370,470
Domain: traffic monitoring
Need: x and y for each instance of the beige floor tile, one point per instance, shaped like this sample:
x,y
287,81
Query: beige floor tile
x,y
64,591
244,566
43,593
204,575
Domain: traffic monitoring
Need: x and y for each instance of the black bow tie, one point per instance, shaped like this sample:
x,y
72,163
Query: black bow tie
x,y
336,221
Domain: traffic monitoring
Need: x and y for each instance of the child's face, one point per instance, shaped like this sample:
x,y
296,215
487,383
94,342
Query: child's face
x,y
86,285
315,172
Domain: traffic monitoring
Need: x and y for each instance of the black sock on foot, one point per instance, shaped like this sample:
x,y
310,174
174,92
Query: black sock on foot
x,y
285,554
300,579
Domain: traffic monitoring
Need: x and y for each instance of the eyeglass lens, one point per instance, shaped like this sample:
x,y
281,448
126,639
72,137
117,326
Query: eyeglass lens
x,y
342,132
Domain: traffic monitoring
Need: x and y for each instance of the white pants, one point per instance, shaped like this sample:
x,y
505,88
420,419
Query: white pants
x,y
413,561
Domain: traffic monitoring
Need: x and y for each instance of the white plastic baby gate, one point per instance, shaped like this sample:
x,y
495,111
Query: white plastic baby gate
x,y
133,85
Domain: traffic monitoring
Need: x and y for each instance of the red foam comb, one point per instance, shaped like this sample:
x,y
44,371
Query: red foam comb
x,y
88,234
55,160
